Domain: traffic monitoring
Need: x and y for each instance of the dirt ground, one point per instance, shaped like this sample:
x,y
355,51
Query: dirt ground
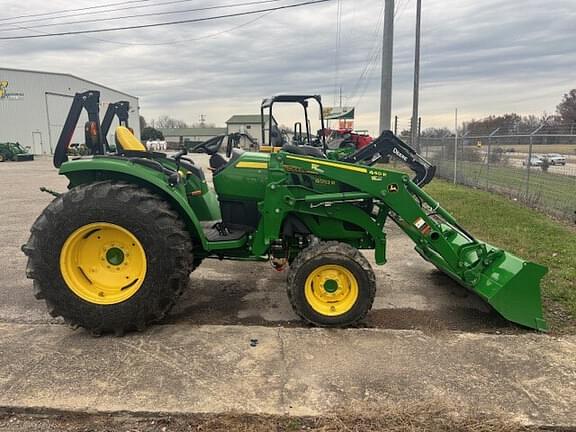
x,y
416,418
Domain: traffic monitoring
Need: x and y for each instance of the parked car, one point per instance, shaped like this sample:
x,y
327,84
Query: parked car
x,y
534,161
555,159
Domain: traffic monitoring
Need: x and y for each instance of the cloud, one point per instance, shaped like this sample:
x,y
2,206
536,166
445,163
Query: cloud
x,y
482,57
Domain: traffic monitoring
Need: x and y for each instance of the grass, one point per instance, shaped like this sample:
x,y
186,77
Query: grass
x,y
407,417
566,149
527,234
547,191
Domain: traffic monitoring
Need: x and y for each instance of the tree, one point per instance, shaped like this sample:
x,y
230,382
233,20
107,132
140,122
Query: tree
x,y
151,134
165,122
143,123
433,132
508,123
567,108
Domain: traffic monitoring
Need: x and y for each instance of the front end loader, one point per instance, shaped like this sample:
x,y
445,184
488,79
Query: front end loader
x,y
115,252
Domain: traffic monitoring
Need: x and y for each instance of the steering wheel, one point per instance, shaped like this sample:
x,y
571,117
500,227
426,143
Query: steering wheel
x,y
209,147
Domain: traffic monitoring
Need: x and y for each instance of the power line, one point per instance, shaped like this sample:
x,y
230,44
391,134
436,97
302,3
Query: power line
x,y
187,21
250,3
208,36
373,57
400,8
375,54
74,10
171,2
337,87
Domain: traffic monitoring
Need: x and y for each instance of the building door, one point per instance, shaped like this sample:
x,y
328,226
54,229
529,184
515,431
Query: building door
x,y
57,107
37,143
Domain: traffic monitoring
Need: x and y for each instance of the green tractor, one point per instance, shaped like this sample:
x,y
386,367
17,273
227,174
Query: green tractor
x,y
114,253
14,152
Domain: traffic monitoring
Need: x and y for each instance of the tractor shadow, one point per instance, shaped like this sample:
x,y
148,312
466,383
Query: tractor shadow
x,y
456,309
260,299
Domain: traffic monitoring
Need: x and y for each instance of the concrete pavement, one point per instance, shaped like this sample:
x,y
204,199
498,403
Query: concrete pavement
x,y
233,343
214,369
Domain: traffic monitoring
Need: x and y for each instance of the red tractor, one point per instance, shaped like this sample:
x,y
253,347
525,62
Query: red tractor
x,y
346,137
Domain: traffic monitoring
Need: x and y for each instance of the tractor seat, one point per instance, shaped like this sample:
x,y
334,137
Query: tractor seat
x,y
218,163
304,151
126,141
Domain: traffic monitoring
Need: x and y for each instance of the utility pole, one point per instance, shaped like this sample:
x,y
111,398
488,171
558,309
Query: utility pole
x,y
455,144
414,132
387,61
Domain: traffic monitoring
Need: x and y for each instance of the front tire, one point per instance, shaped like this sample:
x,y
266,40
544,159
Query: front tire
x,y
331,284
109,257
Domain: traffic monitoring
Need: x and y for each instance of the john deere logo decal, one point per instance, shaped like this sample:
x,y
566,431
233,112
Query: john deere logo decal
x,y
5,95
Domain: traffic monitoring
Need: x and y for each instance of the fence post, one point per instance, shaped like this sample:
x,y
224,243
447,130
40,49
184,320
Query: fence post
x,y
488,161
456,144
529,163
528,167
494,132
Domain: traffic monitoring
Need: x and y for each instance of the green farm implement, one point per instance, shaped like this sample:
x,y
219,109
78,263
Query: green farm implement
x,y
14,152
115,252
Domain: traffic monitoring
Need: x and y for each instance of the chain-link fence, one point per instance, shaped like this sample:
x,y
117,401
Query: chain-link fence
x,y
537,167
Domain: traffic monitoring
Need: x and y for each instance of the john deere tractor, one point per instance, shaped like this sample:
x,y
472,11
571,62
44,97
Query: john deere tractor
x,y
14,152
115,252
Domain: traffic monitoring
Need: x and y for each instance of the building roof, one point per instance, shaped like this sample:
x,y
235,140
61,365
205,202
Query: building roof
x,y
193,131
71,76
245,119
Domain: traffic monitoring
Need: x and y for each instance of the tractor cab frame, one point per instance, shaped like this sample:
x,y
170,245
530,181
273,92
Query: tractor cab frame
x,y
271,135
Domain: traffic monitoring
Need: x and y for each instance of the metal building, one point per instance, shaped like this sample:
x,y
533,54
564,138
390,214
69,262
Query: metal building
x,y
34,106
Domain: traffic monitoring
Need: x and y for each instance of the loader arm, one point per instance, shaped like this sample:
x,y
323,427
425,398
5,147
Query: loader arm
x,y
89,101
506,282
387,145
119,109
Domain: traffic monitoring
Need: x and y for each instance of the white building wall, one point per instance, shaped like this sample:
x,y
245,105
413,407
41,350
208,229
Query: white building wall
x,y
254,130
40,101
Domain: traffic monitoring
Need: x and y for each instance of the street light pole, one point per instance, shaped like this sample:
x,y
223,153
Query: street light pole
x,y
387,61
413,126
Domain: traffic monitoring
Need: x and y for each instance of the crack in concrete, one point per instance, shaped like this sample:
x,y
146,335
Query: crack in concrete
x,y
284,374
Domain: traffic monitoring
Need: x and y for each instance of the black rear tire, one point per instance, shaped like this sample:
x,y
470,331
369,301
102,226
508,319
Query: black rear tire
x,y
337,254
156,225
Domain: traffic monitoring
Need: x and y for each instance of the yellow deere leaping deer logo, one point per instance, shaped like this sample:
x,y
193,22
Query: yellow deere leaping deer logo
x,y
3,85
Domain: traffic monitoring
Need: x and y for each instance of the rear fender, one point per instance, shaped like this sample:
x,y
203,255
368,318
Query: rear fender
x,y
98,169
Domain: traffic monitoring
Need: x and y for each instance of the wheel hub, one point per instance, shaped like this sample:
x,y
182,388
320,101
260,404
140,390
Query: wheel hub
x,y
331,290
115,256
330,286
103,263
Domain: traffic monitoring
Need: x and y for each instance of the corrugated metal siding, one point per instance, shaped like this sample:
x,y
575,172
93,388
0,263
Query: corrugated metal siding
x,y
36,118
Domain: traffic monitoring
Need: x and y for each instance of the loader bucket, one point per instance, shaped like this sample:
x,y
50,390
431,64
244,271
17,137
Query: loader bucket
x,y
512,287
507,283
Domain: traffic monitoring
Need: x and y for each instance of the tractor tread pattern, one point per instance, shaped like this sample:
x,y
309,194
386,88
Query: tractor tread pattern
x,y
169,227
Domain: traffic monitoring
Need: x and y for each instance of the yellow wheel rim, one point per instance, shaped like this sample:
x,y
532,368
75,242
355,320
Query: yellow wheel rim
x,y
103,263
331,290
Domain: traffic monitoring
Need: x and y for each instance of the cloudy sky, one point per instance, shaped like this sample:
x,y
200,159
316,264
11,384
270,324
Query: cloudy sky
x,y
484,57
